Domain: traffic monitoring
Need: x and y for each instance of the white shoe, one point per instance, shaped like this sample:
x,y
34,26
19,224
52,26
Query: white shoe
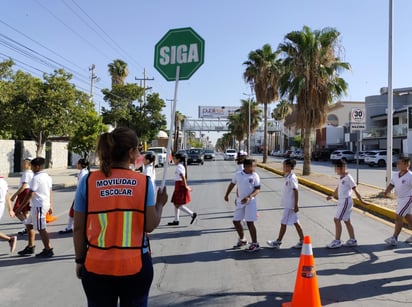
x,y
274,244
351,242
298,245
391,241
409,240
334,244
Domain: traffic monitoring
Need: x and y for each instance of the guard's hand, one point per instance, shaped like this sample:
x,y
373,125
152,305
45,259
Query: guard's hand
x,y
162,196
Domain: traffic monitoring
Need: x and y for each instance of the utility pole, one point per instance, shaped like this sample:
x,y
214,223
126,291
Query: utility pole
x,y
92,78
144,79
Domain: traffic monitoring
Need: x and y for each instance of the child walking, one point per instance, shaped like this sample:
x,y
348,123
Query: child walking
x,y
21,193
5,201
83,166
181,193
41,204
248,186
345,204
290,204
402,182
148,167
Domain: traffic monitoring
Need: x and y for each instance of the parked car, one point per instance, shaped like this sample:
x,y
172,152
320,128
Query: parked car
x,y
361,156
322,154
342,154
209,154
378,157
297,155
195,155
230,154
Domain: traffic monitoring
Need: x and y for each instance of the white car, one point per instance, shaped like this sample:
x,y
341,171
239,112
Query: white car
x,y
160,153
342,154
230,154
378,157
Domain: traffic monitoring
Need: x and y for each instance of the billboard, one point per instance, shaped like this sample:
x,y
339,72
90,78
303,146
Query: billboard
x,y
217,112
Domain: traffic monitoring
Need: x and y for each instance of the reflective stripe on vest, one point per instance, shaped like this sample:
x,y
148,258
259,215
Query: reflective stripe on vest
x,y
115,222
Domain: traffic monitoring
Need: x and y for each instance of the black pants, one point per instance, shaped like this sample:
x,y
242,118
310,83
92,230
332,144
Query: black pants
x,y
133,290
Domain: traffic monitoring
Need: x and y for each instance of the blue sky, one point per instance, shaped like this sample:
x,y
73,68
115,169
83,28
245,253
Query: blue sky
x,y
230,28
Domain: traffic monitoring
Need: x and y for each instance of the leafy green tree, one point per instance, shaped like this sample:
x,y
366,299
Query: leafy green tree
x,y
149,120
118,71
88,125
42,108
263,71
121,99
311,77
6,89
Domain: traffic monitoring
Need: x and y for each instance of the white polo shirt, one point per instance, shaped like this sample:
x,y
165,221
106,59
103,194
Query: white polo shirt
x,y
346,184
180,170
41,185
246,184
288,196
403,185
26,177
3,192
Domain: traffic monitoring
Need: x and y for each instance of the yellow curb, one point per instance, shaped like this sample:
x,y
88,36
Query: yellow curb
x,y
370,207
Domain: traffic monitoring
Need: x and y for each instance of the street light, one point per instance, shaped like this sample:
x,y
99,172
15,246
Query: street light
x,y
248,127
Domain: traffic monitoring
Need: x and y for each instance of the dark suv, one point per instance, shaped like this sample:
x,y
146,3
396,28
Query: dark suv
x,y
195,155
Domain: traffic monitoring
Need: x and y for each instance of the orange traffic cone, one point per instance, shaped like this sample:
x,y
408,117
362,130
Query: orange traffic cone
x,y
50,218
306,293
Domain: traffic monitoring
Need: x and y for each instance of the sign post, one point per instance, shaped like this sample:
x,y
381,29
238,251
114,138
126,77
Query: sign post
x,y
358,123
178,54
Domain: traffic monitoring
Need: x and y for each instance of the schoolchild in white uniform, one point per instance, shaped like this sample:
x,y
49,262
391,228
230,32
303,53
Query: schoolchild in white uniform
x,y
148,167
345,204
181,194
5,201
248,186
21,193
84,166
402,182
290,203
41,204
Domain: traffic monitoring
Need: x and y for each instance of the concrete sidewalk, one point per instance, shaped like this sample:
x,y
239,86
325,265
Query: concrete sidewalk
x,y
62,178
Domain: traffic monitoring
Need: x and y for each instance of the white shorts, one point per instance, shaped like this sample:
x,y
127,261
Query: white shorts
x,y
37,218
404,206
247,211
2,206
289,217
344,209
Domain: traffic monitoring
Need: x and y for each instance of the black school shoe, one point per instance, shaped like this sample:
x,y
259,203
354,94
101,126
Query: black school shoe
x,y
46,253
194,216
28,250
174,223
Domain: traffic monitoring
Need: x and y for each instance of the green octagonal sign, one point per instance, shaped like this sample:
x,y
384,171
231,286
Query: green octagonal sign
x,y
179,47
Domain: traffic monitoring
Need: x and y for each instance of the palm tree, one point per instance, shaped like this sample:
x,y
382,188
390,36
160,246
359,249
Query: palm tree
x,y
236,127
263,71
118,71
283,109
255,116
311,78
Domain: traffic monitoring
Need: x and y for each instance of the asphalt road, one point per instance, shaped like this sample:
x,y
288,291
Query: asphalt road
x,y
195,265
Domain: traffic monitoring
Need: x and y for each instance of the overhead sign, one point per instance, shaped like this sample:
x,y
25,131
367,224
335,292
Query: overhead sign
x,y
358,119
217,112
179,47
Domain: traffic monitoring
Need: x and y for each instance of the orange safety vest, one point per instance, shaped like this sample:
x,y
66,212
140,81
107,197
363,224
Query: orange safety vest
x,y
115,222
